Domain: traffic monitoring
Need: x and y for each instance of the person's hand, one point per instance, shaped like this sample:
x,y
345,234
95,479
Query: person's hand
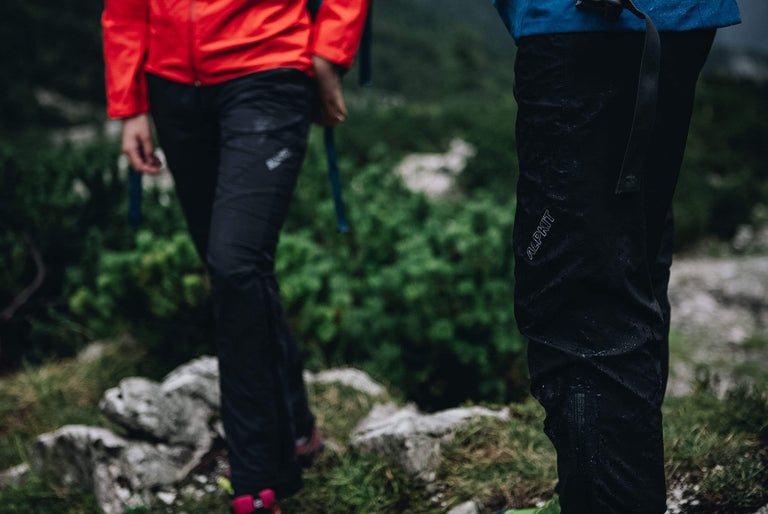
x,y
137,145
332,109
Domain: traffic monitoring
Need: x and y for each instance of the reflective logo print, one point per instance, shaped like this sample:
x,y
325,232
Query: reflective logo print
x,y
541,232
278,159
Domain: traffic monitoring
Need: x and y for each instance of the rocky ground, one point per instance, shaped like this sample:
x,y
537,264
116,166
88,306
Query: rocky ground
x,y
165,452
720,323
173,451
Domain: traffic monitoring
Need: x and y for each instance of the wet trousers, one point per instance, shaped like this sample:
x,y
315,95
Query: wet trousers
x,y
235,150
592,267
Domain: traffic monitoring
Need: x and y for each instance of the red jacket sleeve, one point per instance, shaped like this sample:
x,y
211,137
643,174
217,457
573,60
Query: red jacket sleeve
x,y
125,30
338,27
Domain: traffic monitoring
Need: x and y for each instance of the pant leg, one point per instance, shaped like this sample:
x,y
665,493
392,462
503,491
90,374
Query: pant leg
x,y
189,135
682,59
263,121
590,290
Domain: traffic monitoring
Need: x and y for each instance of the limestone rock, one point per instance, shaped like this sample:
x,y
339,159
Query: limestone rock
x,y
351,377
715,295
414,439
718,305
469,507
119,471
198,379
92,353
144,407
435,174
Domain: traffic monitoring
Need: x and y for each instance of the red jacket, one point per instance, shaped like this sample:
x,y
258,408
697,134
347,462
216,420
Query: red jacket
x,y
204,42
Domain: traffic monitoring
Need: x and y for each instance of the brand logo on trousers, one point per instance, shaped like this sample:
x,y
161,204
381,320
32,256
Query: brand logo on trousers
x,y
541,233
278,159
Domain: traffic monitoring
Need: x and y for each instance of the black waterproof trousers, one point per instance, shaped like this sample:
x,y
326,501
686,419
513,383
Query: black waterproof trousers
x,y
592,266
235,150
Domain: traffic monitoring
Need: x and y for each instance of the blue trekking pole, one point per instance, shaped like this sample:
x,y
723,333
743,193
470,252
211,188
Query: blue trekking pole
x,y
333,175
134,197
364,79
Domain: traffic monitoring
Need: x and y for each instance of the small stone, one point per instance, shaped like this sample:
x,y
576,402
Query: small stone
x,y
166,497
469,507
92,352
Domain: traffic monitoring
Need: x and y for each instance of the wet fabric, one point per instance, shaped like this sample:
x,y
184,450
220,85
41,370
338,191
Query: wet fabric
x,y
592,267
235,150
529,17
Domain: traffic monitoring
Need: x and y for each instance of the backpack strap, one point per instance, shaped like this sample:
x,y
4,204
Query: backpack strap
x,y
333,175
630,176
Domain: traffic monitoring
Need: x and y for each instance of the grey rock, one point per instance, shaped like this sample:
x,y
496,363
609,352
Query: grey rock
x,y
716,294
13,476
168,497
121,472
144,407
750,240
469,507
350,377
718,305
198,379
435,174
414,439
763,510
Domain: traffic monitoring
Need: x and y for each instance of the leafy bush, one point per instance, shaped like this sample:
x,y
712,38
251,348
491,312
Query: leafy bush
x,y
53,204
65,206
421,294
724,180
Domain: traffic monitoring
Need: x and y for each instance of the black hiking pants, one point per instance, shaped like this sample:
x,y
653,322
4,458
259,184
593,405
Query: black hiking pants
x,y
592,267
235,150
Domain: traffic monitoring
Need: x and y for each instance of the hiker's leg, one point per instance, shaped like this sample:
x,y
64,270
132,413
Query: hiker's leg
x,y
264,125
587,277
296,391
583,293
189,137
683,56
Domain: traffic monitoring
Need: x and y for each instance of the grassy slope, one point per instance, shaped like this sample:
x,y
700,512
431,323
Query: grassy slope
x,y
721,445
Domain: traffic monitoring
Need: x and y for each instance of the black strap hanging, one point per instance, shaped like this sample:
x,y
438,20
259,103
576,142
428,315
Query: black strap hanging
x,y
630,176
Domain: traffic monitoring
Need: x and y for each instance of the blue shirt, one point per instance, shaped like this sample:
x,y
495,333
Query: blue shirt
x,y
529,17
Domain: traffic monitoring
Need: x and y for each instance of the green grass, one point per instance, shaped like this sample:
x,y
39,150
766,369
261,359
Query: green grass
x,y
721,445
338,409
500,463
39,495
39,399
756,342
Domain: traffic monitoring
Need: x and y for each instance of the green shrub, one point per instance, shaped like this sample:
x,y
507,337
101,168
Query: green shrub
x,y
725,171
67,205
419,294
